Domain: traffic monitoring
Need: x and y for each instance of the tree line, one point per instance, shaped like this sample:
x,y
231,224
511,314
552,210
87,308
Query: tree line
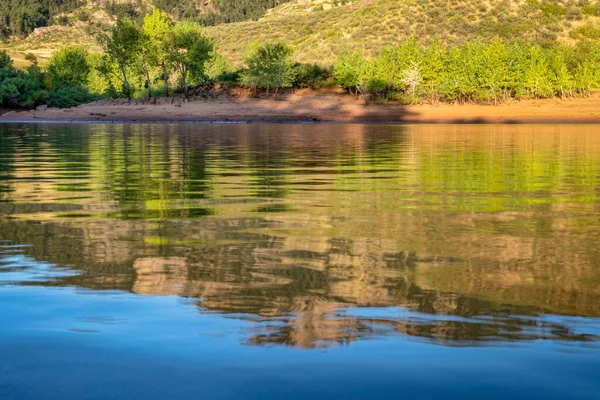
x,y
158,57
155,58
217,11
475,71
21,17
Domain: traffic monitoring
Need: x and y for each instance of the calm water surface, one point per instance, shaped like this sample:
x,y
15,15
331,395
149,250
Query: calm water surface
x,y
313,261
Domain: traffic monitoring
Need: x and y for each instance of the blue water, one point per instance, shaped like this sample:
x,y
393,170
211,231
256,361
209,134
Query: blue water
x,y
116,284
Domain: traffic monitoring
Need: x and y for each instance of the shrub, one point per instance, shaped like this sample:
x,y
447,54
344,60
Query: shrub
x,y
68,66
29,88
269,66
5,60
348,70
311,76
473,71
69,96
591,10
218,67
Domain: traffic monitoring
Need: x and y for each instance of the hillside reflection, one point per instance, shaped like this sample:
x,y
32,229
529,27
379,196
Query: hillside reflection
x,y
456,234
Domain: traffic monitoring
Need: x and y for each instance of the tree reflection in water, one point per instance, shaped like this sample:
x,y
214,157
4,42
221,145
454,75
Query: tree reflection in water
x,y
459,235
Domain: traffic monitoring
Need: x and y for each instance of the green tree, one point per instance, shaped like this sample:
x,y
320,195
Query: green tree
x,y
157,29
218,67
188,51
269,66
493,70
434,70
562,79
6,63
147,59
349,70
122,47
537,73
461,84
68,66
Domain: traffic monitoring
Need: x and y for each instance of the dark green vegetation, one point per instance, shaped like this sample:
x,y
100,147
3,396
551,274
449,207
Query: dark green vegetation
x,y
20,17
63,85
217,11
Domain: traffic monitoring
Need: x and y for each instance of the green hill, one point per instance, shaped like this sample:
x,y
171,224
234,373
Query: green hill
x,y
319,30
410,51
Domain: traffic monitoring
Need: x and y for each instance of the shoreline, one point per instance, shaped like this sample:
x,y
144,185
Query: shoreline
x,y
309,107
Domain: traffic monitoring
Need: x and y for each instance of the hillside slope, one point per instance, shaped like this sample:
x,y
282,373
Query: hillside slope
x,y
319,30
319,35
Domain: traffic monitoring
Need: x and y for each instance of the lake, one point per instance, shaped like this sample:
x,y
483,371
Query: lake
x,y
299,261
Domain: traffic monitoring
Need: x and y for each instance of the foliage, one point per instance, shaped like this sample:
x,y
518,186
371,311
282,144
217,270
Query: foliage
x,y
68,67
225,11
188,51
349,70
474,71
20,17
218,68
122,48
513,54
69,96
157,29
30,88
5,61
269,66
135,57
311,76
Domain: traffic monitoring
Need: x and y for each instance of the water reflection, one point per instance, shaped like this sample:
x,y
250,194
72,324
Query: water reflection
x,y
460,235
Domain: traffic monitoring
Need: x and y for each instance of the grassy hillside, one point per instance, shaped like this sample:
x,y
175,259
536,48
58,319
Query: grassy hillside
x,y
319,30
45,41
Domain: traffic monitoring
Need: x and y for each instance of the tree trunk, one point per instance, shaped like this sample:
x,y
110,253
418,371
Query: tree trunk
x,y
149,85
184,81
165,78
125,81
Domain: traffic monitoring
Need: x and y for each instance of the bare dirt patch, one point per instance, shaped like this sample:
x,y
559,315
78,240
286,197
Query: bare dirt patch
x,y
310,106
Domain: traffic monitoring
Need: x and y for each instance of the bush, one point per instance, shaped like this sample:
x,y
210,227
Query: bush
x,y
218,68
473,71
591,10
28,89
82,16
5,60
69,96
68,66
311,76
348,70
269,66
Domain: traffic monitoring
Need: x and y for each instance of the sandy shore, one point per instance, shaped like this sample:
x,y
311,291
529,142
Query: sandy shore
x,y
314,107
